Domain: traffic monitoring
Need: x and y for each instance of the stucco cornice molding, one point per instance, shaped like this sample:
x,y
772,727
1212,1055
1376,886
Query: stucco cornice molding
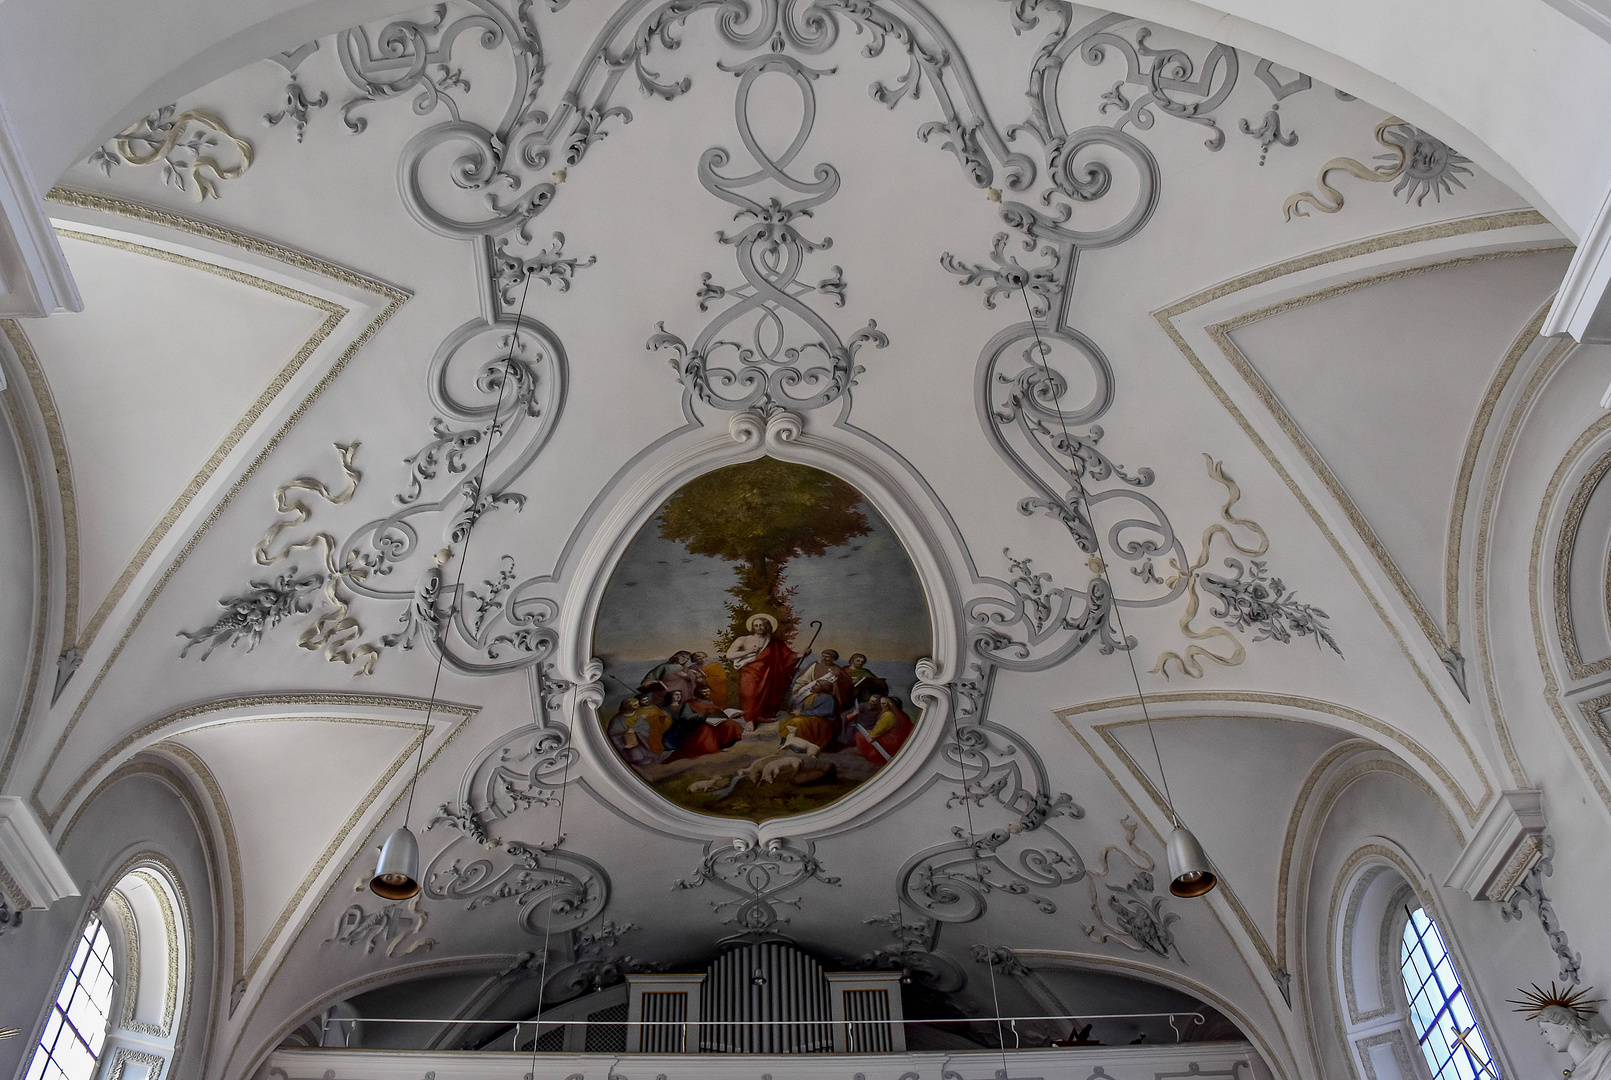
x,y
1508,841
1582,308
32,875
34,278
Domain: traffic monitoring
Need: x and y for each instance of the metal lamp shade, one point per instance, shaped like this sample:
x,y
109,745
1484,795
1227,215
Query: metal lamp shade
x,y
397,875
1189,872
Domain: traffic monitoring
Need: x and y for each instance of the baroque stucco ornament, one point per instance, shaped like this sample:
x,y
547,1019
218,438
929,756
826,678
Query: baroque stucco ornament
x,y
760,374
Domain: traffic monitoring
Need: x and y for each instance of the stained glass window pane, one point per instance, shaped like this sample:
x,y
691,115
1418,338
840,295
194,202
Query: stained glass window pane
x,y
71,1042
1454,1046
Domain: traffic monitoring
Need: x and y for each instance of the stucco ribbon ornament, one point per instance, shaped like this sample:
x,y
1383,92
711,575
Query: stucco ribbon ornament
x,y
1421,163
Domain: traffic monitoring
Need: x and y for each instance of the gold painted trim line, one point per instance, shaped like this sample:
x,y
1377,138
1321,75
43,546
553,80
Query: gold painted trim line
x,y
394,298
1421,234
333,315
1549,362
185,790
1141,816
22,437
1290,701
170,927
1565,548
1395,860
1468,464
341,875
1591,710
226,826
1289,842
258,701
1445,640
244,969
1276,959
1552,686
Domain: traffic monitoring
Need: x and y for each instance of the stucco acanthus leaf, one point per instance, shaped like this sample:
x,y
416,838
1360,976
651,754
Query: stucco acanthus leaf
x,y
249,615
555,890
1168,78
1019,848
1039,624
269,601
518,371
1009,276
550,265
1138,921
194,150
913,953
596,962
1249,599
297,108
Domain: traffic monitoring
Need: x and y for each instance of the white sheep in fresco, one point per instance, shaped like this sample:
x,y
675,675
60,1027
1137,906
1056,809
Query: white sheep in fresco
x,y
779,768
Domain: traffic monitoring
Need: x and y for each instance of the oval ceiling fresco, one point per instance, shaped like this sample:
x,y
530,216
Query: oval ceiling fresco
x,y
760,637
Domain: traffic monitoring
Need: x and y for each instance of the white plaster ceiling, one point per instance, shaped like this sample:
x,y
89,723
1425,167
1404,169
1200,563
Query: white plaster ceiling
x,y
1219,770
290,790
1383,379
165,360
1387,390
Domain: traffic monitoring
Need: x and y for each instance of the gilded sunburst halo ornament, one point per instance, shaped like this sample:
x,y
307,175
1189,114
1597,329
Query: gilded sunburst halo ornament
x,y
1534,1001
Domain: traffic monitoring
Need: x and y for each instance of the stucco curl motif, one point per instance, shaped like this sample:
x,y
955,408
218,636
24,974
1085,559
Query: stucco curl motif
x,y
1052,441
771,369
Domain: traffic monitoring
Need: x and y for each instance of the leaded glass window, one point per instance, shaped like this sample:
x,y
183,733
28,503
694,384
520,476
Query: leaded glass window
x,y
1453,1044
71,1043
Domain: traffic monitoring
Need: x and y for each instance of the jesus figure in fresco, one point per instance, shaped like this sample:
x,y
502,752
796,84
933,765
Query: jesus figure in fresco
x,y
765,669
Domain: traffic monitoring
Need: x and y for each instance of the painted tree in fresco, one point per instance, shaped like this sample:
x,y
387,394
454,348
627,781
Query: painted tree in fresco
x,y
760,515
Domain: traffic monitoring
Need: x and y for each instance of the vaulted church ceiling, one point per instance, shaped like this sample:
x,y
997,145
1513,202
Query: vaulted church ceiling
x,y
410,366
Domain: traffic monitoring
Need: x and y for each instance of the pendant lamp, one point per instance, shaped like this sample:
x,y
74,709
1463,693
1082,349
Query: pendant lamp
x,y
1190,873
397,874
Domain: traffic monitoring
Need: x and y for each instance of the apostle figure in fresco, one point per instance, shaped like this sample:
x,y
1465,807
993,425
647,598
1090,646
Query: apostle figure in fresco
x,y
701,735
863,683
765,666
715,680
690,681
683,721
822,676
888,734
637,729
652,687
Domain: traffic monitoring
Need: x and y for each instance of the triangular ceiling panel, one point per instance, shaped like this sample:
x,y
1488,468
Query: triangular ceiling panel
x,y
1387,392
149,381
291,790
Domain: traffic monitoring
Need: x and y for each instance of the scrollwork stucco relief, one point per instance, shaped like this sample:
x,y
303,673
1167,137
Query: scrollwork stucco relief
x,y
388,565
770,370
1054,444
389,568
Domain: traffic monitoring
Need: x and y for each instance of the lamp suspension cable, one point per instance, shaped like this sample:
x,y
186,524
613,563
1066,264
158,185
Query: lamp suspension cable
x,y
397,874
548,924
990,964
1190,874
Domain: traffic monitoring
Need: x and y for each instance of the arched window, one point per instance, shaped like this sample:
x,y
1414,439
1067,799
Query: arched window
x,y
119,1011
1444,1023
71,1043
